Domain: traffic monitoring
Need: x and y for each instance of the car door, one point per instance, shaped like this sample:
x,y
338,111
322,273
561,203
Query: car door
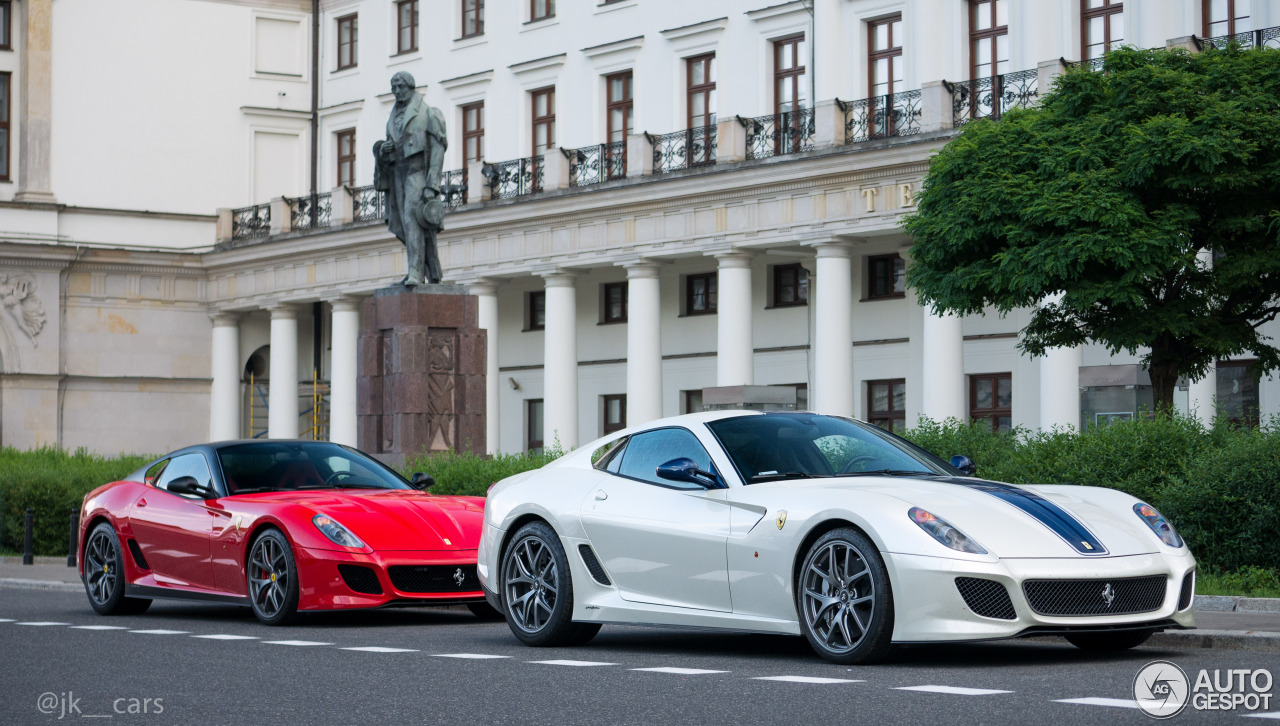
x,y
174,531
662,542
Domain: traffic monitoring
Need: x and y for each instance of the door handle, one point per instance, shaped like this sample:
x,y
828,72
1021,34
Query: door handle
x,y
142,502
601,495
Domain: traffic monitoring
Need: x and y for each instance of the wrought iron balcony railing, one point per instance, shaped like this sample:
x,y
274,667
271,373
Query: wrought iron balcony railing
x,y
686,149
311,211
777,134
250,222
453,187
993,96
1263,38
881,117
368,204
594,164
514,178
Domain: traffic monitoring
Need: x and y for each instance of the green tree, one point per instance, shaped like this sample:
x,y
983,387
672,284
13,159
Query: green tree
x,y
1099,208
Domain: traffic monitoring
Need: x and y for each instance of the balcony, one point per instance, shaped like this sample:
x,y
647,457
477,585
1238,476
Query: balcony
x,y
992,97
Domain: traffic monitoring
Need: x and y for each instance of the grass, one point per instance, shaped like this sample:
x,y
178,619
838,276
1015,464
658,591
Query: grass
x,y
1245,582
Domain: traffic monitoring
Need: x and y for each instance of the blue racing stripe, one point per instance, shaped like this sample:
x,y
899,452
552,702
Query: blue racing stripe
x,y
1043,511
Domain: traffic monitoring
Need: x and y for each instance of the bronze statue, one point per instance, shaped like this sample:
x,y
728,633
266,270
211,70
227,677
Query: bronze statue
x,y
407,167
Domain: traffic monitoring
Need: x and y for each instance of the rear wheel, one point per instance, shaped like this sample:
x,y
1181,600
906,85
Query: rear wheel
x,y
273,579
1101,642
104,574
844,598
537,590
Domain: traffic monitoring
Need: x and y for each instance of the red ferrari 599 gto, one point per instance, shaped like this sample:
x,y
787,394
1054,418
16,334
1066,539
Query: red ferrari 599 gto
x,y
279,526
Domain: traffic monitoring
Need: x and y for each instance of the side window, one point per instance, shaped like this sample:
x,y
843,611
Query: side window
x,y
186,465
154,471
647,451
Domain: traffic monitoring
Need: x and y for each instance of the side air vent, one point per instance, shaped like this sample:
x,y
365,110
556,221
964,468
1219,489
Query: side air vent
x,y
1188,590
136,552
360,579
593,565
987,598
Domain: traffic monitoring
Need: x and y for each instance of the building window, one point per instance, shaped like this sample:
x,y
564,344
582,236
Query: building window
x,y
790,285
6,25
4,126
619,108
615,413
472,132
788,74
1238,392
887,404
347,37
691,401
1221,17
614,304
535,310
544,119
700,294
1101,27
533,425
884,55
472,18
541,9
991,400
886,276
988,38
701,83
406,26
346,157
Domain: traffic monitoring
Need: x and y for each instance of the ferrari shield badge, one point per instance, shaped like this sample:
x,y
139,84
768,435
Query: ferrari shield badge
x,y
782,518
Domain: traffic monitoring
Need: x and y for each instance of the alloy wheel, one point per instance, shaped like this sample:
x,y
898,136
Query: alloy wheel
x,y
531,583
268,576
100,566
838,597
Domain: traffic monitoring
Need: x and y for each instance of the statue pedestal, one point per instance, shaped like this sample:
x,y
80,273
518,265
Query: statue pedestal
x,y
421,386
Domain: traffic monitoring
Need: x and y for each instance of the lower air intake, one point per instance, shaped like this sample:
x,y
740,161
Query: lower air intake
x,y
360,579
593,565
434,578
1188,590
987,598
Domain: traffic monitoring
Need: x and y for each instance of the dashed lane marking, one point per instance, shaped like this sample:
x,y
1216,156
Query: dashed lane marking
x,y
379,649
578,663
1091,701
160,632
221,636
295,642
470,656
1269,714
807,679
954,690
678,671
6,620
41,623
98,627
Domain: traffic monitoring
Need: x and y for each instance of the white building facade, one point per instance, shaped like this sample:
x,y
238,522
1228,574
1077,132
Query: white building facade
x,y
650,198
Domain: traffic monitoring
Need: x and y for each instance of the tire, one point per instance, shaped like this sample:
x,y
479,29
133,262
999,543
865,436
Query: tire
x,y
832,603
272,579
1104,642
104,581
484,611
537,590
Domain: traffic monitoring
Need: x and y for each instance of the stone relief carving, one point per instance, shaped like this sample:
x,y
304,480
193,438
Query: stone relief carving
x,y
440,362
18,296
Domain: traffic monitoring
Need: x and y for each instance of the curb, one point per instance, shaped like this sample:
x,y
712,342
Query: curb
x,y
40,560
21,584
1254,640
1233,604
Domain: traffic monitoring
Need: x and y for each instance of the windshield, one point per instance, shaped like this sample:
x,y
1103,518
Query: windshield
x,y
777,446
292,465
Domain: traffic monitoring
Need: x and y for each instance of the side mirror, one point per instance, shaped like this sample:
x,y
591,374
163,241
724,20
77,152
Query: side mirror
x,y
684,469
189,486
964,464
422,481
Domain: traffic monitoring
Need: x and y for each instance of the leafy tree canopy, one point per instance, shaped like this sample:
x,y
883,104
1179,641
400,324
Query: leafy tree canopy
x,y
1100,208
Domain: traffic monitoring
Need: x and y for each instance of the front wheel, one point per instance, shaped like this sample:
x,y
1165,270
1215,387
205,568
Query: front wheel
x,y
537,590
844,598
104,575
1103,642
273,579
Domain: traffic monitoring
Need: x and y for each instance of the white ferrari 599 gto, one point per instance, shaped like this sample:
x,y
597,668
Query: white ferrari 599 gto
x,y
822,526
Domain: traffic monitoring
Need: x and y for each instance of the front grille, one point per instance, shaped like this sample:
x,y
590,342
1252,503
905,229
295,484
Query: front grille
x,y
593,565
1188,590
987,598
1090,597
434,578
360,579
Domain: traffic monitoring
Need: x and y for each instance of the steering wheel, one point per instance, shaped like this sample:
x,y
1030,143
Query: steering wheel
x,y
335,476
848,465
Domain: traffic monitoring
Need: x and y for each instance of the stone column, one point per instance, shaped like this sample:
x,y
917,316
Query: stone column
x,y
345,345
1060,385
735,355
828,49
486,292
560,362
224,393
833,341
282,401
644,343
639,155
943,385
35,115
936,113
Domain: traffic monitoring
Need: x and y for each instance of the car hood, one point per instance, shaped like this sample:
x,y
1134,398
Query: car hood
x,y
1023,521
396,519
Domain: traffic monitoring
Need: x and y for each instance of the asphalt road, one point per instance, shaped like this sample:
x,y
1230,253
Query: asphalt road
x,y
403,666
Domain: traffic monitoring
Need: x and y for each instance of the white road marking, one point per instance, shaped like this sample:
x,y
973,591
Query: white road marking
x,y
953,690
470,656
295,642
220,636
41,623
380,649
6,620
807,679
161,632
98,627
1091,701
581,663
678,671
1269,714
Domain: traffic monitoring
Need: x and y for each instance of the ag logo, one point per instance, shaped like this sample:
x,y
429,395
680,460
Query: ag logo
x,y
782,518
458,577
1161,689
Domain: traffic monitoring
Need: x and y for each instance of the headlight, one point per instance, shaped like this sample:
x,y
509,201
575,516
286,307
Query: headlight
x,y
941,530
336,533
1158,524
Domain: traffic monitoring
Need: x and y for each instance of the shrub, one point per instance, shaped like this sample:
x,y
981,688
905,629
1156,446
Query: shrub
x,y
471,474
